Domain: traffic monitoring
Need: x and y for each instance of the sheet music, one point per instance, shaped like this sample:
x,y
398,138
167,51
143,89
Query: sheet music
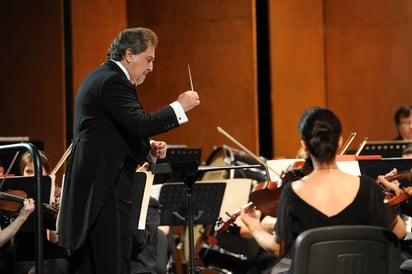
x,y
280,165
351,167
145,202
156,191
348,166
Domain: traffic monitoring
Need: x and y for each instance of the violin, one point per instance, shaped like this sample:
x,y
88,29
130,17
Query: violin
x,y
392,199
265,195
12,201
222,226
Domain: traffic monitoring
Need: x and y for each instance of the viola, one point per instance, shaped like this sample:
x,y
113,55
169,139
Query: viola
x,y
265,195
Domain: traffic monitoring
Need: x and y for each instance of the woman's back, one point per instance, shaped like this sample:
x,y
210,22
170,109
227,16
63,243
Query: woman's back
x,y
328,190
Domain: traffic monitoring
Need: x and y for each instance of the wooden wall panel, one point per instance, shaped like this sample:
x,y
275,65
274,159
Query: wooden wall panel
x,y
369,54
353,57
297,68
32,75
95,23
217,39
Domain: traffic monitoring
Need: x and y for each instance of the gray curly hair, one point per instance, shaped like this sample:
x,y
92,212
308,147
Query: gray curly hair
x,y
137,39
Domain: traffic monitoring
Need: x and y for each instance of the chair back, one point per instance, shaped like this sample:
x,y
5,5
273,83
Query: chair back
x,y
346,250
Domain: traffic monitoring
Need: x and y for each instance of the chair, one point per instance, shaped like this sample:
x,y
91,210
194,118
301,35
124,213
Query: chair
x,y
346,250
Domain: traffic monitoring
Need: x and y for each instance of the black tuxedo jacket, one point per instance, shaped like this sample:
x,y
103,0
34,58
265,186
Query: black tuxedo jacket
x,y
110,133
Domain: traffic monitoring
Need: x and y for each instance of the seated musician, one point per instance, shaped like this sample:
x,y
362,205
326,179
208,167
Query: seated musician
x,y
326,196
403,122
10,231
55,256
395,186
263,259
399,196
150,255
149,246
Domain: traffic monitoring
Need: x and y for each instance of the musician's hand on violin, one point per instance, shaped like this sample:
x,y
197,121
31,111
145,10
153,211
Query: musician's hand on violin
x,y
251,218
158,149
394,185
27,209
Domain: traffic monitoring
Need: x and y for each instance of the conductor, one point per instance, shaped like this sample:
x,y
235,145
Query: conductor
x,y
111,134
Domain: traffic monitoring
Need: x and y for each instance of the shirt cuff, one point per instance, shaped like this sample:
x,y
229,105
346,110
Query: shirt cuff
x,y
152,159
180,113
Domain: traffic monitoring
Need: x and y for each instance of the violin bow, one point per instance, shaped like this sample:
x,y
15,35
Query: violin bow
x,y
348,142
9,168
221,130
361,147
62,159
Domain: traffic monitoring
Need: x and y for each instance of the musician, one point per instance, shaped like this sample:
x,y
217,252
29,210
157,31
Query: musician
x,y
403,122
111,138
55,257
326,196
10,231
150,256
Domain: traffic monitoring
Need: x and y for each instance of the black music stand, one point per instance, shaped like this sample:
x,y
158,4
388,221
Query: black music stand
x,y
387,149
189,172
206,202
176,154
376,167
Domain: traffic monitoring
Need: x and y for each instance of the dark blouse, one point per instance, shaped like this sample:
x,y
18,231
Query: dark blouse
x,y
296,216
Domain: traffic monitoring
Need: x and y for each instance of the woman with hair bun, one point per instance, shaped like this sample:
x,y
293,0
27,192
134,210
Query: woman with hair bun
x,y
326,196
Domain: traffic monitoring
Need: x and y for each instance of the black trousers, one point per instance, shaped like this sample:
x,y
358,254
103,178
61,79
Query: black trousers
x,y
108,246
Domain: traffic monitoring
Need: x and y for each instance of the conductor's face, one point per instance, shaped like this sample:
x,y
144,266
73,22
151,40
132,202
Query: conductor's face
x,y
139,65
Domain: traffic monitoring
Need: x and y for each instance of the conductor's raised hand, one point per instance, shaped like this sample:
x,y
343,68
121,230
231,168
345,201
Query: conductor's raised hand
x,y
188,100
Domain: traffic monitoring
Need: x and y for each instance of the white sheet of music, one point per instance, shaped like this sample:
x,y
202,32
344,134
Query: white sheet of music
x,y
279,166
145,202
351,167
348,166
